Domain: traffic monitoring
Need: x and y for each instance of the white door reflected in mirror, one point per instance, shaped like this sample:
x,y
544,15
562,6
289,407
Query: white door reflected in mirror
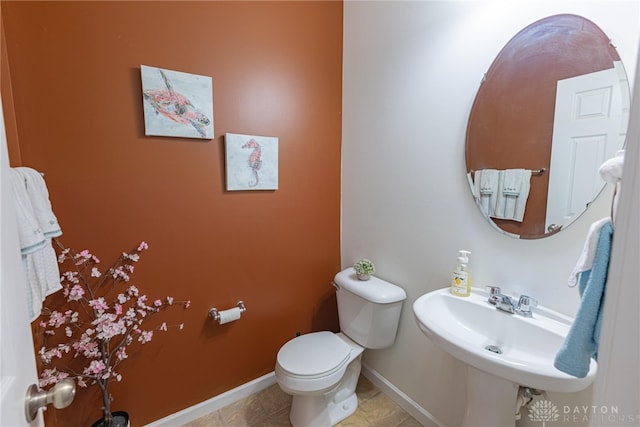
x,y
589,126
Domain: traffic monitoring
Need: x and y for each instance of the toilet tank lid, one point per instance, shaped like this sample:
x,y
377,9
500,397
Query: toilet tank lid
x,y
374,290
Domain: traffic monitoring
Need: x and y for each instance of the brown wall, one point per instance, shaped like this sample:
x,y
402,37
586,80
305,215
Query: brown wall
x,y
76,93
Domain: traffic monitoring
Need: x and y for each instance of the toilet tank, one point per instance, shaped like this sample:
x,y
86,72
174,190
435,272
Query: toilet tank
x,y
369,310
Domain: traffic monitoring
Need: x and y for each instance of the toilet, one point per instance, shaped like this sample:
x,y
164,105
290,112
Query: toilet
x,y
321,369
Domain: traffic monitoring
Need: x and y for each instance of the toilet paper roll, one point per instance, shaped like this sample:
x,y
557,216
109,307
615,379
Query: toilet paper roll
x,y
230,315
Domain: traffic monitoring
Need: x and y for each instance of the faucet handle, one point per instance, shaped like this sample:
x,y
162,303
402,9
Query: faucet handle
x,y
525,304
494,291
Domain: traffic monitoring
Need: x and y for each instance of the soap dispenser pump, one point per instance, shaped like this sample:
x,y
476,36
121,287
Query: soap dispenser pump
x,y
461,280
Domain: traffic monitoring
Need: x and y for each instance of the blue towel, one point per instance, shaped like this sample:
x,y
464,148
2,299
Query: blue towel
x,y
583,338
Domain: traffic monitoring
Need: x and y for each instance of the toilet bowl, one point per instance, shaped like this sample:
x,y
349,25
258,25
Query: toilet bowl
x,y
321,369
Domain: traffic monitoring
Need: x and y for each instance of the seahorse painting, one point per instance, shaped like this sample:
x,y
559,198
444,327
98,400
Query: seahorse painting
x,y
254,160
175,106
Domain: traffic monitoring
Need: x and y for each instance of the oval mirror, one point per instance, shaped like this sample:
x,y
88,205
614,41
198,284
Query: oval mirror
x,y
553,106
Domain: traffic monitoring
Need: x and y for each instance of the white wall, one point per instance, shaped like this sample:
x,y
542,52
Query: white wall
x,y
411,71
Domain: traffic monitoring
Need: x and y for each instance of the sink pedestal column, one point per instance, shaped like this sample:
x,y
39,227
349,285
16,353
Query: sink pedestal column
x,y
491,400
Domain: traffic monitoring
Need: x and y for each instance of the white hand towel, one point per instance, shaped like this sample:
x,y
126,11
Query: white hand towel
x,y
43,277
512,182
585,261
34,217
486,186
34,291
611,170
39,197
29,232
521,200
488,181
514,185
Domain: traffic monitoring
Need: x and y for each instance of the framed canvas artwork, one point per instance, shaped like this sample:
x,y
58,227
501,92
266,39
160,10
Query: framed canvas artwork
x,y
252,162
177,104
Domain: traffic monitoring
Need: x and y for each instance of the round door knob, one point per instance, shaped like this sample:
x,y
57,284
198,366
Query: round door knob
x,y
61,395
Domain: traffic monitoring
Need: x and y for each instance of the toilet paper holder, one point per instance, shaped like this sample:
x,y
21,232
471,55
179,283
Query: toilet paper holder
x,y
214,313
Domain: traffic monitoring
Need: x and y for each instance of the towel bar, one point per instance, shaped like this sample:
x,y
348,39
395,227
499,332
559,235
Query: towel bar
x,y
540,171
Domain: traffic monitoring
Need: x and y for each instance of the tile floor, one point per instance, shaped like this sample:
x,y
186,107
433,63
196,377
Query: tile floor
x,y
270,408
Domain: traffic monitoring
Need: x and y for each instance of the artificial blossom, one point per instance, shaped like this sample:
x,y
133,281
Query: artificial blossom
x,y
103,316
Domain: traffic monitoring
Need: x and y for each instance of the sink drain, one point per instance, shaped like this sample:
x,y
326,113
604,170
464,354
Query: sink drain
x,y
493,349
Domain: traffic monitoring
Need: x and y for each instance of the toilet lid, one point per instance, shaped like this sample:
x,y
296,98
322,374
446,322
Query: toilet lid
x,y
313,354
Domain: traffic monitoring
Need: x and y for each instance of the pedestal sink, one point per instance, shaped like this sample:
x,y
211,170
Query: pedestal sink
x,y
502,351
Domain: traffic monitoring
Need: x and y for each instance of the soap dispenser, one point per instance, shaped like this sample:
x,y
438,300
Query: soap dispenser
x,y
461,280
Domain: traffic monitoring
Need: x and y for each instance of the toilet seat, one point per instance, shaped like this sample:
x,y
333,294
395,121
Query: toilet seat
x,y
314,355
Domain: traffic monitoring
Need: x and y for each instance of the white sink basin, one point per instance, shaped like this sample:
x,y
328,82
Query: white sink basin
x,y
465,327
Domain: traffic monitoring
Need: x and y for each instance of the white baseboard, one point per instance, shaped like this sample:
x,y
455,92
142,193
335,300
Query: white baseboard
x,y
220,401
405,402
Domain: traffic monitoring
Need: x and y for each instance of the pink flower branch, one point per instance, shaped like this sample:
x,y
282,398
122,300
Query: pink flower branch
x,y
98,328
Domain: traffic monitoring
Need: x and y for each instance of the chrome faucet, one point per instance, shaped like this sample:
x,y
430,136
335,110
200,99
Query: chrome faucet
x,y
508,305
505,303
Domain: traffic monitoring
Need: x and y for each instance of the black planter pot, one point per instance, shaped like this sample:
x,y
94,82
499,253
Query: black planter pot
x,y
120,419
